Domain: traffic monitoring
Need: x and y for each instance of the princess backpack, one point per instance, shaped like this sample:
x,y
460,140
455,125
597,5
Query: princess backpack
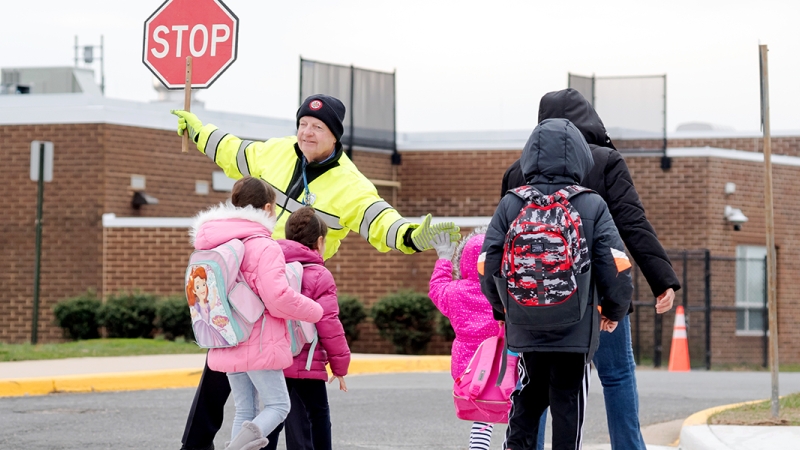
x,y
483,392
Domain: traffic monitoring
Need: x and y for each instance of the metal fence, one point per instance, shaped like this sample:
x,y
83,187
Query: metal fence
x,y
368,95
724,299
631,107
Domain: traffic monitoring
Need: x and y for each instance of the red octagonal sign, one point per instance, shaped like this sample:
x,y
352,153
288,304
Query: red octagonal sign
x,y
205,29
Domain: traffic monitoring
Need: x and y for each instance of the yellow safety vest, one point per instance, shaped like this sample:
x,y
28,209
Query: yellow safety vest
x,y
341,195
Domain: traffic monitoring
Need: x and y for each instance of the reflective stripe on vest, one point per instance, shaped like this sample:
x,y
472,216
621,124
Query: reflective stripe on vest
x,y
391,235
214,139
370,215
241,158
293,205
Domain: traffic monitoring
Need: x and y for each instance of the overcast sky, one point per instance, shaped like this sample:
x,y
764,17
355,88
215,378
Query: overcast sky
x,y
461,65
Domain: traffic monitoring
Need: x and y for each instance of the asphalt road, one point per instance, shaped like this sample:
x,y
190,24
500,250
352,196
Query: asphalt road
x,y
386,412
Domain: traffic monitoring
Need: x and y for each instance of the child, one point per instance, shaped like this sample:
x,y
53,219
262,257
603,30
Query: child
x,y
461,301
255,367
305,243
533,288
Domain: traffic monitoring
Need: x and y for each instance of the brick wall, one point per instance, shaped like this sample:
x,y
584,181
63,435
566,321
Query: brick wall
x,y
71,230
92,176
785,145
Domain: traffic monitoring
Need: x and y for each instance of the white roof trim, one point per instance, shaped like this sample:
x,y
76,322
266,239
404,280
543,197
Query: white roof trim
x,y
463,222
35,109
516,139
724,153
110,220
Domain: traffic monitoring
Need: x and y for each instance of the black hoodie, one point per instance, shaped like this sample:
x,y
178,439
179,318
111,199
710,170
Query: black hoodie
x,y
611,179
556,156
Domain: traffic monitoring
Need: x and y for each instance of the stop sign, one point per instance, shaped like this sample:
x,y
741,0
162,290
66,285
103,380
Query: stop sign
x,y
205,29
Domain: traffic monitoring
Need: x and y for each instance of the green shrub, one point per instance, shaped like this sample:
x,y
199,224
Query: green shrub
x,y
173,318
445,328
405,318
351,313
78,316
128,315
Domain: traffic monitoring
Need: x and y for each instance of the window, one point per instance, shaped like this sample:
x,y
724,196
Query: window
x,y
750,289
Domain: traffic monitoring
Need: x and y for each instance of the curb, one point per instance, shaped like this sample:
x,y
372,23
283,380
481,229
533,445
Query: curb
x,y
697,435
189,378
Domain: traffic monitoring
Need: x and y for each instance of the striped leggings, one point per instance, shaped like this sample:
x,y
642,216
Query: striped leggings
x,y
480,436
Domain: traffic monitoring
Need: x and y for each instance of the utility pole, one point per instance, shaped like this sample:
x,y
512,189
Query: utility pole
x,y
772,273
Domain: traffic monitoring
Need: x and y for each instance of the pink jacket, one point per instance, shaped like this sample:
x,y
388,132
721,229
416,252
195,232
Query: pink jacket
x,y
464,304
263,268
319,286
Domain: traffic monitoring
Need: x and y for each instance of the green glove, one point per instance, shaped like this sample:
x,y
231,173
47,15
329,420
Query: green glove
x,y
423,235
187,120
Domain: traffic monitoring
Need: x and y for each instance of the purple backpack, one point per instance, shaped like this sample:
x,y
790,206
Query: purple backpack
x,y
545,259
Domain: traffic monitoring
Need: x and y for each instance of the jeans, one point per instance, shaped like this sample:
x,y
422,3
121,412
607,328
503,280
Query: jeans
x,y
617,371
268,386
314,410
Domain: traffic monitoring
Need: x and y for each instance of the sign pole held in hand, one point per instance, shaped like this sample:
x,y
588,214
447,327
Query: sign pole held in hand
x,y
187,101
188,44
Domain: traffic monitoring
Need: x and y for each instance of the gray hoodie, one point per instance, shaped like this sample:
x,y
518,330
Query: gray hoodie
x,y
555,156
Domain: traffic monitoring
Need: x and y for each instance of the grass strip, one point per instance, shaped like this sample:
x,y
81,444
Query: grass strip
x,y
759,413
96,347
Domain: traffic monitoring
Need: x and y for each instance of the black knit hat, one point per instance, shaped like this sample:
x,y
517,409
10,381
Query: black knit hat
x,y
329,110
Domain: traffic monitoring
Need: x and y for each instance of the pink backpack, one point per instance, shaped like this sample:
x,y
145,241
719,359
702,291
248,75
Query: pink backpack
x,y
483,392
300,333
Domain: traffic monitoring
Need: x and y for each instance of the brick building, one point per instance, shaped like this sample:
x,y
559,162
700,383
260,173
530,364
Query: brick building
x,y
108,150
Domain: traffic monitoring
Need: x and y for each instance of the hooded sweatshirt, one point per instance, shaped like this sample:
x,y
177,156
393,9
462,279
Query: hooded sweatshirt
x,y
555,156
318,285
610,178
463,303
263,267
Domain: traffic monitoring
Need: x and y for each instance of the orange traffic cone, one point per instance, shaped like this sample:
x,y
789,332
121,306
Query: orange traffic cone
x,y
679,351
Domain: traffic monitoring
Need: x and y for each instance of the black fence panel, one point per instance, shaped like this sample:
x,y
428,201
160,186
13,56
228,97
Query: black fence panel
x,y
720,331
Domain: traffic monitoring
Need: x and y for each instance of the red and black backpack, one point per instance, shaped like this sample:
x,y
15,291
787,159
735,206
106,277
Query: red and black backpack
x,y
545,261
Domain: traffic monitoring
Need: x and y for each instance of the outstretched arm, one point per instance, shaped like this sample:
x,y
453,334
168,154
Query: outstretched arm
x,y
442,277
233,155
366,213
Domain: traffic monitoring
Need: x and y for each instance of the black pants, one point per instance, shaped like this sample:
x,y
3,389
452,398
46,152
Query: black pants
x,y
554,379
312,408
206,413
205,416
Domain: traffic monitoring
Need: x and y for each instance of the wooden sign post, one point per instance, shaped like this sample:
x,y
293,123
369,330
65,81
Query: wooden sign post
x,y
188,44
187,101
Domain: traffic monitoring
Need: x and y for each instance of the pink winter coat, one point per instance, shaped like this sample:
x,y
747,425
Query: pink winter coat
x,y
464,304
319,286
263,269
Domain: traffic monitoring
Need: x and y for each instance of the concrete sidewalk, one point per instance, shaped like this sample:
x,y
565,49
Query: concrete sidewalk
x,y
124,373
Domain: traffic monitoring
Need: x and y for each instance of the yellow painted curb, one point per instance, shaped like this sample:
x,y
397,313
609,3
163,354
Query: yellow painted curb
x,y
124,381
189,378
701,417
396,365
